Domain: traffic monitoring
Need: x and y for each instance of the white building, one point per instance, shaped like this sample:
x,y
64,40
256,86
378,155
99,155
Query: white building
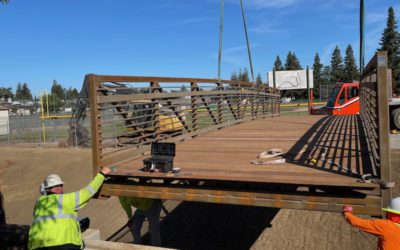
x,y
4,121
22,111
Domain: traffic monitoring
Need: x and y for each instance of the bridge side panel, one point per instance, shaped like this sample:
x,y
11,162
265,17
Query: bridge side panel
x,y
374,111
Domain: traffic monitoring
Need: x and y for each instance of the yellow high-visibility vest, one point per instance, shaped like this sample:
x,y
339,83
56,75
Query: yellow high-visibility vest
x,y
55,217
143,204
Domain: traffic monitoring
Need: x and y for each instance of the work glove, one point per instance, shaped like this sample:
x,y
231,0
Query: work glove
x,y
347,209
105,170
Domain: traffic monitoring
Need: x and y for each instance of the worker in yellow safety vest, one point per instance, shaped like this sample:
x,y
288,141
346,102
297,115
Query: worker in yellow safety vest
x,y
145,208
55,222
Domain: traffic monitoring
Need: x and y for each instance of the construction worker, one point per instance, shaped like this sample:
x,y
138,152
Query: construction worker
x,y
55,217
150,208
387,230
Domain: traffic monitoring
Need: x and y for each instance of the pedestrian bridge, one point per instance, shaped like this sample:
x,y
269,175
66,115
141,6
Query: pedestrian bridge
x,y
221,126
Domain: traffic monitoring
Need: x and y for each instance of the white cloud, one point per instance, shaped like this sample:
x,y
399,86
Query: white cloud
x,y
266,4
326,54
194,20
265,27
262,4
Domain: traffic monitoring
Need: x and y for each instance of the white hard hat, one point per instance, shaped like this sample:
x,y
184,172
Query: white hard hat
x,y
52,180
394,206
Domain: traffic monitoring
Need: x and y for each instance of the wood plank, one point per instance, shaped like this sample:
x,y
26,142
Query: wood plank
x,y
225,155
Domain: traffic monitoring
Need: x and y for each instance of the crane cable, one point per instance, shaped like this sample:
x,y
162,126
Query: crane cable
x,y
362,44
247,41
221,28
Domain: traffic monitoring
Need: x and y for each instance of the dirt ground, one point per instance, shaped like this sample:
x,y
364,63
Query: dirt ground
x,y
187,225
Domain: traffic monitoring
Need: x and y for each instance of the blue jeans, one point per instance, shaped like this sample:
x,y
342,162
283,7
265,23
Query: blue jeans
x,y
153,215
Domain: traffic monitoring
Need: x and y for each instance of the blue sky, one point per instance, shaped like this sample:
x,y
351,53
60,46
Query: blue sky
x,y
43,40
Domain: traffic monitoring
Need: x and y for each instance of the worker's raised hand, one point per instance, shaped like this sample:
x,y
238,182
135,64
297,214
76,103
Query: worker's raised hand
x,y
348,209
105,170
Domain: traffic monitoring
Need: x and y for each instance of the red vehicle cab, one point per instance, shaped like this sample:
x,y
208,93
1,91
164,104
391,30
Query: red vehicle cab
x,y
343,100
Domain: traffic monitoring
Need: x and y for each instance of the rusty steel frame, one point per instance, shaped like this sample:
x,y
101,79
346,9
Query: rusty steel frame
x,y
99,99
266,197
374,112
366,200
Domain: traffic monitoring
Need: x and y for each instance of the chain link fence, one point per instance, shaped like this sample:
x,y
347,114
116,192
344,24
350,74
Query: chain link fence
x,y
16,129
324,91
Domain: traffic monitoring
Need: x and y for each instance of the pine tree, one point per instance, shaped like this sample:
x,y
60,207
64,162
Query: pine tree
x,y
234,76
26,92
336,74
6,93
183,88
292,63
350,67
74,94
258,79
317,68
278,64
326,75
57,90
71,94
18,92
390,42
245,76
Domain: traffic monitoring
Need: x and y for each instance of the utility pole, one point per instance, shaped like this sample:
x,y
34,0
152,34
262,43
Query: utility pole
x,y
361,37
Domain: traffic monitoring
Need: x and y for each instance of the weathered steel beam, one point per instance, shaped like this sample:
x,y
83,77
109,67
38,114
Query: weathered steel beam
x,y
370,205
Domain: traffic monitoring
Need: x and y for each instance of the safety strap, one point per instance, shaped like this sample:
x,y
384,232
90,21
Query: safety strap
x,y
367,178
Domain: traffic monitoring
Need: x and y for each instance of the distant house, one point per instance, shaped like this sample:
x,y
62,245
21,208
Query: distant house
x,y
23,111
68,109
4,121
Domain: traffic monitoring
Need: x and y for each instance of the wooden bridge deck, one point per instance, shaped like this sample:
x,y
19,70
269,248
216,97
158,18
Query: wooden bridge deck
x,y
225,155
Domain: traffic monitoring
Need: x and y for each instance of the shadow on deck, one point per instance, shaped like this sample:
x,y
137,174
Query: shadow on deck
x,y
336,144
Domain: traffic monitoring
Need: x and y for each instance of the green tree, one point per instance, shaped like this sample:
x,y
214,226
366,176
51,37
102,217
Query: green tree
x,y
336,74
317,70
6,93
351,71
54,101
390,42
292,63
74,93
57,90
26,92
258,79
278,64
234,76
71,94
18,92
183,88
244,77
23,92
326,75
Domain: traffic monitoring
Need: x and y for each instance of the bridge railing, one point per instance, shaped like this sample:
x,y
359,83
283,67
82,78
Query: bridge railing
x,y
374,112
130,112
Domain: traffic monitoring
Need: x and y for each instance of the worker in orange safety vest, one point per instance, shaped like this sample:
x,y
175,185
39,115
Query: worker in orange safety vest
x,y
387,230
